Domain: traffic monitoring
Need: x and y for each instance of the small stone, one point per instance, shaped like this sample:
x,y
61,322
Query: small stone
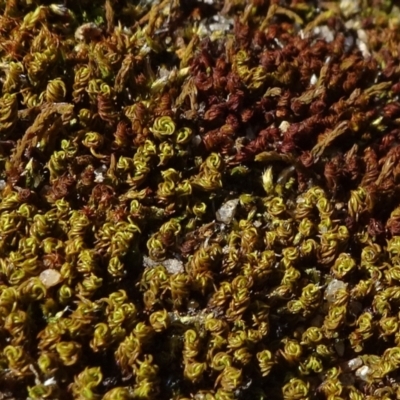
x,y
219,27
163,72
349,7
363,373
313,79
363,48
227,211
284,126
333,286
324,32
148,262
50,277
362,35
99,174
173,266
50,381
355,363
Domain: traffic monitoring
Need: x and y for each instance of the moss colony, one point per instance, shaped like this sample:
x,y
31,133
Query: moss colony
x,y
199,200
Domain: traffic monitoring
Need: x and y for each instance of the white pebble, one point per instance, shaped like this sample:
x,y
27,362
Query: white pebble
x,y
325,33
173,266
362,35
148,262
355,363
363,373
227,211
219,27
363,48
284,125
313,79
333,286
349,7
50,381
50,277
99,174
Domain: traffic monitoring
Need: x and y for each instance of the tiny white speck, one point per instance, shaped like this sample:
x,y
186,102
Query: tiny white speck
x,y
363,48
279,43
99,173
50,381
313,79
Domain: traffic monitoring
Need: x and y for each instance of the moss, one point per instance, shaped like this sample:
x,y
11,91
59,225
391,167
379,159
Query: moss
x,y
199,200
